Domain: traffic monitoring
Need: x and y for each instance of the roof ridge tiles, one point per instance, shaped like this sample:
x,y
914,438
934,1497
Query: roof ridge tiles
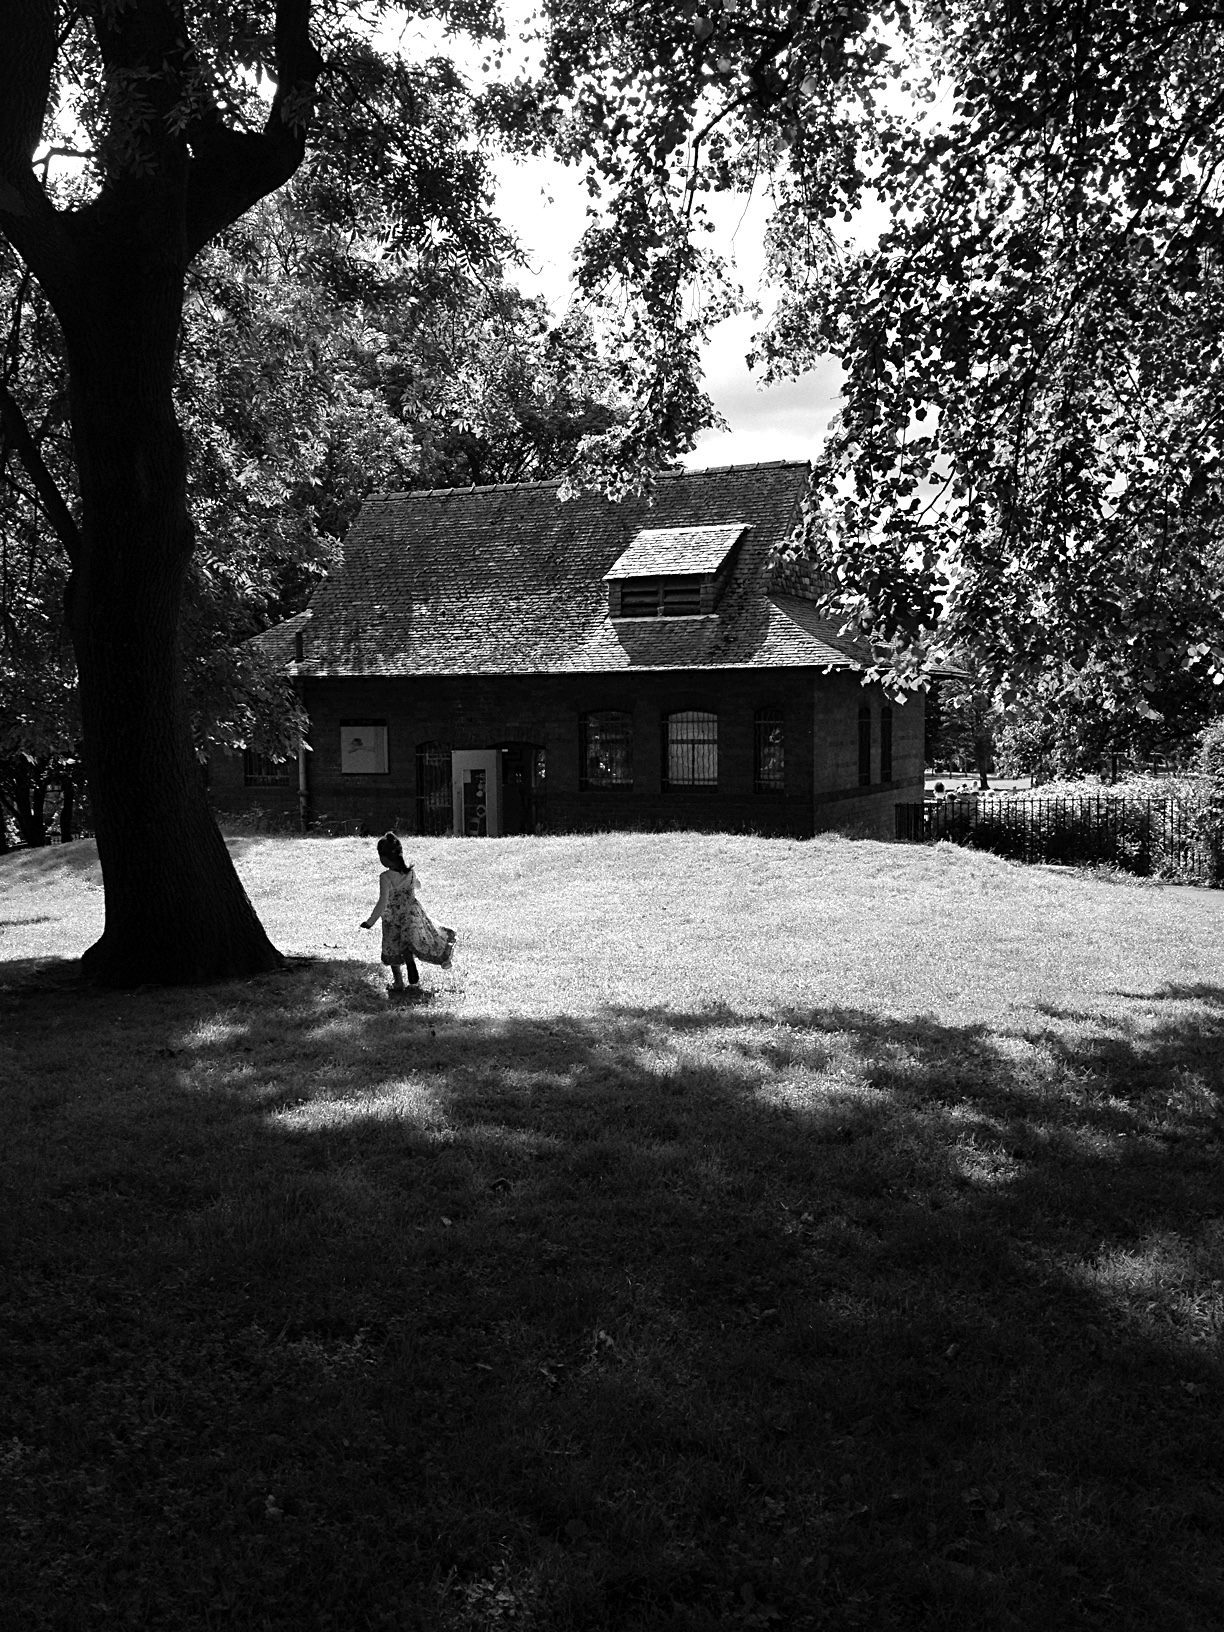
x,y
760,464
466,491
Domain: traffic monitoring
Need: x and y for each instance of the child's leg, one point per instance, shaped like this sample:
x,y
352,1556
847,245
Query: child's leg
x,y
397,977
414,977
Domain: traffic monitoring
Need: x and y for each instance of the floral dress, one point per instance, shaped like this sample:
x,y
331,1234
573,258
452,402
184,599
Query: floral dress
x,y
407,930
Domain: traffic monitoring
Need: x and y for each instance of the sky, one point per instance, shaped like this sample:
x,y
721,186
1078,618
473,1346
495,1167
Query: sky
x,y
544,202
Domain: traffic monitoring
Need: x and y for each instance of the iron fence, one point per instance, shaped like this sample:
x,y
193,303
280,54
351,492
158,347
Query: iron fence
x,y
1162,838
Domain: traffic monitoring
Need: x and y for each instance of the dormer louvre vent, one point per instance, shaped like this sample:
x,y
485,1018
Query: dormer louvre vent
x,y
673,572
660,597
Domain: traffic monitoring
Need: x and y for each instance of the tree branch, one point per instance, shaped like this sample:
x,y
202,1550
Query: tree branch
x,y
231,170
17,434
28,219
25,89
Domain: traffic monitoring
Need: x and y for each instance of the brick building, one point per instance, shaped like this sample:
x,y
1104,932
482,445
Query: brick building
x,y
496,660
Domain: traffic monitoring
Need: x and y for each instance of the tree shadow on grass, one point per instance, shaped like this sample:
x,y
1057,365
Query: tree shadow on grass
x,y
642,1319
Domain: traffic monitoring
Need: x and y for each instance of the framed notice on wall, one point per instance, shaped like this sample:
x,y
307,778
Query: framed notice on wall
x,y
363,748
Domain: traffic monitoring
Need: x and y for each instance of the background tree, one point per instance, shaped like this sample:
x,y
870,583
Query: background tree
x,y
39,720
963,720
1028,449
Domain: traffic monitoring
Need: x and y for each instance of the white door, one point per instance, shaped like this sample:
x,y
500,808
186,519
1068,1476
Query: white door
x,y
476,790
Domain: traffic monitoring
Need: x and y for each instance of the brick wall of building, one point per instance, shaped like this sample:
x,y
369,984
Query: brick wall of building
x,y
474,712
841,801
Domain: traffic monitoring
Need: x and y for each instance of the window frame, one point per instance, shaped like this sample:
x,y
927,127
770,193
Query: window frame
x,y
695,784
775,782
439,754
382,749
614,784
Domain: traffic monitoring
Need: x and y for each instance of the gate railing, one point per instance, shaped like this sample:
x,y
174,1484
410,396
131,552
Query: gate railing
x,y
1151,837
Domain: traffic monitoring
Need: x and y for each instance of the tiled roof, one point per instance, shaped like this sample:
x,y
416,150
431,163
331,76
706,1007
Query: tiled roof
x,y
280,642
509,580
660,552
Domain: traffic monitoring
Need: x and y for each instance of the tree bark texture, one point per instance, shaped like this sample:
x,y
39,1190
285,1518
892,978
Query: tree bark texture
x,y
176,910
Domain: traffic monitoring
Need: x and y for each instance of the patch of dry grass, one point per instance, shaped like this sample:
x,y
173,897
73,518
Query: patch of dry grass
x,y
744,1233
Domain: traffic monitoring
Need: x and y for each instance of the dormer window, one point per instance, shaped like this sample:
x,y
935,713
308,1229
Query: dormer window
x,y
673,572
660,598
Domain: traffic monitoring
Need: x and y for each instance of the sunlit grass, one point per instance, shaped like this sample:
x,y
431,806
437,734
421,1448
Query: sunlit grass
x,y
742,1233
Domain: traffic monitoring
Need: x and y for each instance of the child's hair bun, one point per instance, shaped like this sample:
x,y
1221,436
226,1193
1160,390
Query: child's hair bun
x,y
391,851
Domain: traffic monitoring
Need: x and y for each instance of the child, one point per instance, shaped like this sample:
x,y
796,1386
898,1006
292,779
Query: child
x,y
406,928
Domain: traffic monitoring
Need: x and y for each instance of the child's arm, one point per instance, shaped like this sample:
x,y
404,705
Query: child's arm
x,y
368,923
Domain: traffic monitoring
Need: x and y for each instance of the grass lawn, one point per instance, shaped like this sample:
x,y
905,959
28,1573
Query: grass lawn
x,y
743,1234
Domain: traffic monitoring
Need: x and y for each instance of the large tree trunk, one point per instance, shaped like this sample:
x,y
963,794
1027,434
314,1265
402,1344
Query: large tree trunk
x,y
176,910
983,749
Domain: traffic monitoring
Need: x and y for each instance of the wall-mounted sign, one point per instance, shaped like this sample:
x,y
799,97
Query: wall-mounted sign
x,y
363,749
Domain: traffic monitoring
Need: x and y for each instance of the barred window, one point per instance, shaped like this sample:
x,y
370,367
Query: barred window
x,y
605,750
768,751
262,771
886,774
690,750
433,782
864,724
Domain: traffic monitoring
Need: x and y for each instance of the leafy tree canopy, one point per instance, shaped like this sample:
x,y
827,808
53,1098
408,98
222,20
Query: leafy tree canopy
x,y
1028,456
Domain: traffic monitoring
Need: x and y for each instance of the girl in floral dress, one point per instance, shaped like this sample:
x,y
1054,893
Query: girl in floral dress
x,y
407,932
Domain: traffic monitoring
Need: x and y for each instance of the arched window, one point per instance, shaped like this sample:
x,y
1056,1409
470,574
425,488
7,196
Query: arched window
x,y
433,782
768,751
864,724
690,749
605,749
886,743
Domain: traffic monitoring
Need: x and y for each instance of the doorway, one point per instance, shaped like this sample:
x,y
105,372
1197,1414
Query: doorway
x,y
476,793
522,780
